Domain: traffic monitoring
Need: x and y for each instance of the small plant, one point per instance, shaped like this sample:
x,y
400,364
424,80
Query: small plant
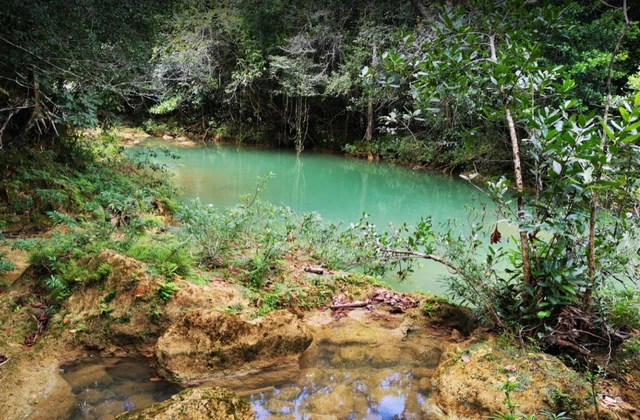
x,y
428,308
58,289
593,376
105,308
621,307
156,314
5,265
166,290
561,401
432,304
632,346
234,309
102,272
212,230
553,416
511,385
167,259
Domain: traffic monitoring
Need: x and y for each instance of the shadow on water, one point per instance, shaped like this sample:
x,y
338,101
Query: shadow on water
x,y
107,387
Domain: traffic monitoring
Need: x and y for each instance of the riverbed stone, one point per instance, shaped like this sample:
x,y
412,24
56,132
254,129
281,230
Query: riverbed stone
x,y
90,376
279,406
141,400
289,393
338,402
431,411
208,345
196,404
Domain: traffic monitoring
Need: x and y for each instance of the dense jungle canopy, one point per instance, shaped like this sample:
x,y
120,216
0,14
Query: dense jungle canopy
x,y
374,76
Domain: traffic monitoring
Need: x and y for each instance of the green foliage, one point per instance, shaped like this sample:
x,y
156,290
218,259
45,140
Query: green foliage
x,y
166,106
94,178
632,347
489,57
621,307
509,386
164,256
279,297
50,86
234,309
292,72
166,290
5,265
212,230
105,308
58,289
108,199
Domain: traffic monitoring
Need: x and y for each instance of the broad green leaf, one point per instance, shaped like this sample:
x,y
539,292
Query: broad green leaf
x,y
624,113
631,138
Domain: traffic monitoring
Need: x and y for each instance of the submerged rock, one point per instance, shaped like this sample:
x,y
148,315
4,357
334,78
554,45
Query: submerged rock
x,y
196,404
207,345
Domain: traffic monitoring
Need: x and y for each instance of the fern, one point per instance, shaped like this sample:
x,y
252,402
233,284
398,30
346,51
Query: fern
x,y
166,290
57,288
61,219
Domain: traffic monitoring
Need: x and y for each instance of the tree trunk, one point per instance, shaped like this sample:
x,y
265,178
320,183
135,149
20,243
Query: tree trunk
x,y
593,205
517,171
368,135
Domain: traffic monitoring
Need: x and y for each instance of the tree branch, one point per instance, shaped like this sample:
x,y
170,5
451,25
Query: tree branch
x,y
415,254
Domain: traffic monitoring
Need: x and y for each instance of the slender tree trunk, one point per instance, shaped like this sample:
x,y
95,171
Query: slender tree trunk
x,y
517,171
369,133
593,205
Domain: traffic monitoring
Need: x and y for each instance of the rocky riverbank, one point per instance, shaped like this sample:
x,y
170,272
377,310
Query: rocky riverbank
x,y
357,343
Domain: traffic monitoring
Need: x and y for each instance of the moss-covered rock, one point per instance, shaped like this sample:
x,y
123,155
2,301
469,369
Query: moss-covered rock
x,y
471,383
122,312
207,345
196,404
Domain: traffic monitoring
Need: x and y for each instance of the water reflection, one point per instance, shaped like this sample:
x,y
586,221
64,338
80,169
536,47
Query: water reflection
x,y
370,394
355,369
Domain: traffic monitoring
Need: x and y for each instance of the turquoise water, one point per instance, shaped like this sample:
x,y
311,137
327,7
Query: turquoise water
x,y
338,188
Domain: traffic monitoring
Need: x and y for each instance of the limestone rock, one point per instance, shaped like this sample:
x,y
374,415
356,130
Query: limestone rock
x,y
471,386
134,321
196,404
207,345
